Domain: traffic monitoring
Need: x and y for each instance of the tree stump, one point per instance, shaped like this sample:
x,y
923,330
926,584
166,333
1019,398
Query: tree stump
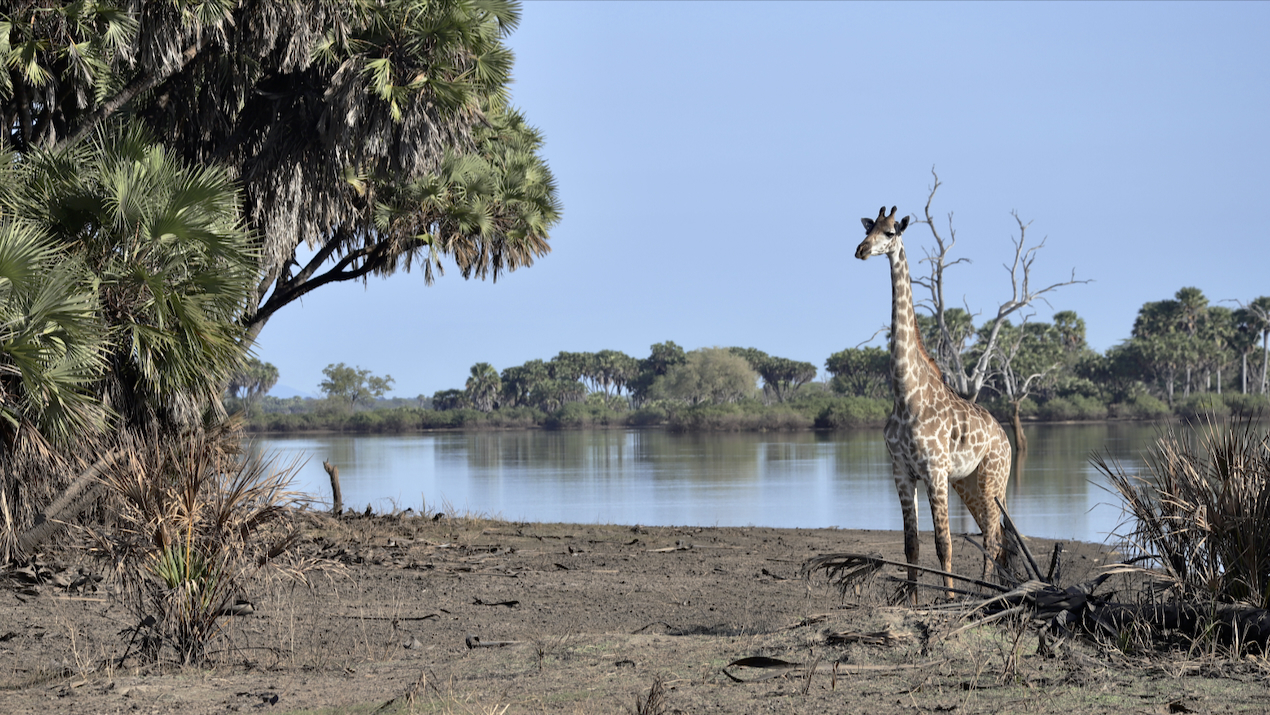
x,y
337,500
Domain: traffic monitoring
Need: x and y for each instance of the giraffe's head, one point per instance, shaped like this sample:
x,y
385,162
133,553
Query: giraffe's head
x,y
882,234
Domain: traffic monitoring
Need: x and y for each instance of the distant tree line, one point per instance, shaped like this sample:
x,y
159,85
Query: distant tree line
x,y
611,377
1184,357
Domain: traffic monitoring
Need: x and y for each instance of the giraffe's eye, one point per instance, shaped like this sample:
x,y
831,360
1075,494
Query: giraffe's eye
x,y
890,234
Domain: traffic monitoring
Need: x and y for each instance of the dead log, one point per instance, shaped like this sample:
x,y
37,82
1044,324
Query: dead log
x,y
337,500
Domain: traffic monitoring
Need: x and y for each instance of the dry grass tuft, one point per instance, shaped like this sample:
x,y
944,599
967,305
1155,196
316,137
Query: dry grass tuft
x,y
197,521
1202,512
654,703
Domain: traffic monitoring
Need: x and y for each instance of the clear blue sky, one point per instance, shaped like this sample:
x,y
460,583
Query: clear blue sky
x,y
714,160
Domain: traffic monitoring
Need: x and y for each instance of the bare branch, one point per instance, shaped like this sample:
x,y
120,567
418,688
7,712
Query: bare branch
x,y
876,333
948,350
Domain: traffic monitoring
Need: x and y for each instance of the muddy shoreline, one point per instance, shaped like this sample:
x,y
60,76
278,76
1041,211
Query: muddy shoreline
x,y
469,615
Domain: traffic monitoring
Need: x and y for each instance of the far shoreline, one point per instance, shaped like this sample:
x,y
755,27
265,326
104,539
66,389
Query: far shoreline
x,y
1174,419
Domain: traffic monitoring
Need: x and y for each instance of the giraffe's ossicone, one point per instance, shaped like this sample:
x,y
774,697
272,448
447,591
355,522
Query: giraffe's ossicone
x,y
933,434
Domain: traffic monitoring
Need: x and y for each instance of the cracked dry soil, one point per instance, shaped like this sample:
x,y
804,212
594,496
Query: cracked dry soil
x,y
462,615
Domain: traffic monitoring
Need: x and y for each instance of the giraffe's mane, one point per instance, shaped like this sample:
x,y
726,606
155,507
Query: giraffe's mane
x,y
921,347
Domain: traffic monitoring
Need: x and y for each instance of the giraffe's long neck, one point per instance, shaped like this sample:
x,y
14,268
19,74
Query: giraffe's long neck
x,y
910,367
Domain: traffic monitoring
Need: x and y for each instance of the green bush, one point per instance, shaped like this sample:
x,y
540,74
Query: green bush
x,y
1058,409
849,412
1247,404
516,417
1141,407
811,404
648,416
1001,408
367,421
283,422
783,419
713,418
398,419
1074,407
1203,406
1088,408
440,419
578,415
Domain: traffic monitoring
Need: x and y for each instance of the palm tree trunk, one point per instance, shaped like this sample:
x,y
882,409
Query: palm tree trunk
x,y
81,492
1265,359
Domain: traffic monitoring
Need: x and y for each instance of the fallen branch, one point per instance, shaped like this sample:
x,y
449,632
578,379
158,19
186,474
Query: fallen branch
x,y
848,569
1034,571
780,667
474,641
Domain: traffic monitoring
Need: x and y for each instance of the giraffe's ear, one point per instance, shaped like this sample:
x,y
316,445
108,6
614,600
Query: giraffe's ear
x,y
902,225
868,224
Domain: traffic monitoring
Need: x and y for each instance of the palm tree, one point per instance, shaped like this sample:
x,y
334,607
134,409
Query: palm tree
x,y
522,385
51,360
483,386
252,379
1192,310
324,111
173,265
1243,340
615,369
50,340
135,320
1217,336
1259,315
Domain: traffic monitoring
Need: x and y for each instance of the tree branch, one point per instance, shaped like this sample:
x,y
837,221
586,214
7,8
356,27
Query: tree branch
x,y
948,351
1021,295
351,266
141,83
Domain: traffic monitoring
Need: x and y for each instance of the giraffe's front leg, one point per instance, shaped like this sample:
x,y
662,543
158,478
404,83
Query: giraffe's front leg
x,y
937,493
906,487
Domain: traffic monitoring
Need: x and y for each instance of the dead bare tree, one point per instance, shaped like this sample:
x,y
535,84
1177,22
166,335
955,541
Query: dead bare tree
x,y
949,351
1017,384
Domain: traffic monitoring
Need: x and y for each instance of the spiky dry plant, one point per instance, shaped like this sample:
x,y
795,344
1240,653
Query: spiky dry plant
x,y
197,521
1202,513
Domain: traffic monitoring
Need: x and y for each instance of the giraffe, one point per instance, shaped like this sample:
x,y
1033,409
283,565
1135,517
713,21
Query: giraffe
x,y
933,434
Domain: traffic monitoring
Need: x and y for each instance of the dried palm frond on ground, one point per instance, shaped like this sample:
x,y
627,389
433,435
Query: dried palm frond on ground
x,y
886,637
196,521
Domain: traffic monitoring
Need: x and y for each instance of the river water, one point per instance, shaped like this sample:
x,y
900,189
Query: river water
x,y
656,478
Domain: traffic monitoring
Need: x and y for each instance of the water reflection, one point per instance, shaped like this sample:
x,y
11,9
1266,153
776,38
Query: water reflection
x,y
657,478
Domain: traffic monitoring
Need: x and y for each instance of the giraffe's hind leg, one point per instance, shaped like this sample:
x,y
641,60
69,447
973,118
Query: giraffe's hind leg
x,y
979,492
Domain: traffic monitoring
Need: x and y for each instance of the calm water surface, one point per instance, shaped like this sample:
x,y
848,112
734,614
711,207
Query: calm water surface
x,y
656,478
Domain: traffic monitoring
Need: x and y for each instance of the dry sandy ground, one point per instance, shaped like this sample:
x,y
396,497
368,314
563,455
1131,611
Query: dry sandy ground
x,y
594,616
